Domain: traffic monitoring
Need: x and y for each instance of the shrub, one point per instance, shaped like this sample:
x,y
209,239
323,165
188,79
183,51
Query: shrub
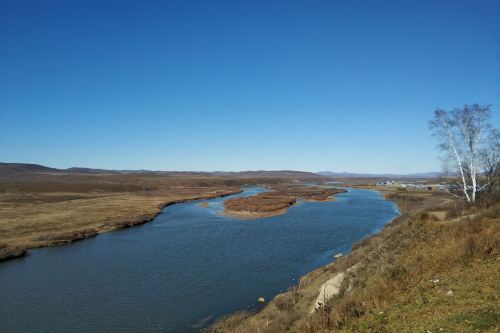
x,y
346,310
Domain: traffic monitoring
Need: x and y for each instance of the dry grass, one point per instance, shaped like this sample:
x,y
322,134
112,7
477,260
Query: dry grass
x,y
54,218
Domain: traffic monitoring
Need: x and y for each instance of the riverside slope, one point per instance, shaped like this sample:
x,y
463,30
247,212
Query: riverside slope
x,y
421,273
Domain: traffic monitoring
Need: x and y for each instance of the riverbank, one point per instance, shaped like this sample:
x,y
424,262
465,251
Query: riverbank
x,y
99,217
419,273
277,201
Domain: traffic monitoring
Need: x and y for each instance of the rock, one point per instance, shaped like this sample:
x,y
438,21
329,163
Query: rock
x,y
262,300
449,293
338,255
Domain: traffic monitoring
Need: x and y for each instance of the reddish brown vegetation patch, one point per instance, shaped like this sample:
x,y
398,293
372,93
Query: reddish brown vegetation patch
x,y
265,202
279,199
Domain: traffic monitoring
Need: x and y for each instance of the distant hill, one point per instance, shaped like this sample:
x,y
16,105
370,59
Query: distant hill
x,y
16,170
381,175
13,169
8,170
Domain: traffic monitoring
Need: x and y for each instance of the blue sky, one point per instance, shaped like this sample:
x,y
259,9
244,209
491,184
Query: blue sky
x,y
240,85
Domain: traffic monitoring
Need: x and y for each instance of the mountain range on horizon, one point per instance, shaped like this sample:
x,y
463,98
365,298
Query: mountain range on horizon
x,y
14,168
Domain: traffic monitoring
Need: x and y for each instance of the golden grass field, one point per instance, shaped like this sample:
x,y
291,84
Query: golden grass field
x,y
41,219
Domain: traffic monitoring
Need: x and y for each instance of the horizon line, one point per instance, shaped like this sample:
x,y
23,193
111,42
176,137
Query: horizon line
x,y
222,171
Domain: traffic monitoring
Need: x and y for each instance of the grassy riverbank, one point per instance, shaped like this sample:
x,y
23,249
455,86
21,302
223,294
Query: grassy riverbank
x,y
41,206
436,268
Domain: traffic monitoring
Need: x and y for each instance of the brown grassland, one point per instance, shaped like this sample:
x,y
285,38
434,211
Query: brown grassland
x,y
436,268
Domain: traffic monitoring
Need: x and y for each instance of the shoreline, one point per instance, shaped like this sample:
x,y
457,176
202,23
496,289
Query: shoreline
x,y
9,253
247,215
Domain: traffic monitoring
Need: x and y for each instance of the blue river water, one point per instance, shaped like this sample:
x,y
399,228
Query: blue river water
x,y
182,270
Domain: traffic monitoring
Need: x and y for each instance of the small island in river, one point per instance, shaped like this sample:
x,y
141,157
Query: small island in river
x,y
277,201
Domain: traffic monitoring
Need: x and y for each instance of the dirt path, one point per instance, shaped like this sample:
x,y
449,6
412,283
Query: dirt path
x,y
328,289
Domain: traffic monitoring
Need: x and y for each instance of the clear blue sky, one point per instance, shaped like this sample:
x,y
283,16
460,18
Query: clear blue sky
x,y
240,85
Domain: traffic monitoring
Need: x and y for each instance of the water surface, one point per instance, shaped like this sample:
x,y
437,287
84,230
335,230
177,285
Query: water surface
x,y
179,272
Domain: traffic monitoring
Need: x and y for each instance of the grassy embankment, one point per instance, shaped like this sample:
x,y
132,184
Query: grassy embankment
x,y
436,268
42,207
277,201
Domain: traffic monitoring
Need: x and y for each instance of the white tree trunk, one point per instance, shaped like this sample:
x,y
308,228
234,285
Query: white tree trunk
x,y
474,184
451,141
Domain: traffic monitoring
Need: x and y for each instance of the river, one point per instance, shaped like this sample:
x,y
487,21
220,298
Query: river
x,y
184,269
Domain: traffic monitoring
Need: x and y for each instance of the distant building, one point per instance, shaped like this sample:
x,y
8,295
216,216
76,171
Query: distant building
x,y
416,185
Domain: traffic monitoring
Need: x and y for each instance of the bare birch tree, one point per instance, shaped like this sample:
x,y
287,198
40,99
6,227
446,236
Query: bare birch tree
x,y
464,137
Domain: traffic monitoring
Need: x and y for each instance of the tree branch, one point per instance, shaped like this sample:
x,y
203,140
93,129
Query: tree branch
x,y
487,184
